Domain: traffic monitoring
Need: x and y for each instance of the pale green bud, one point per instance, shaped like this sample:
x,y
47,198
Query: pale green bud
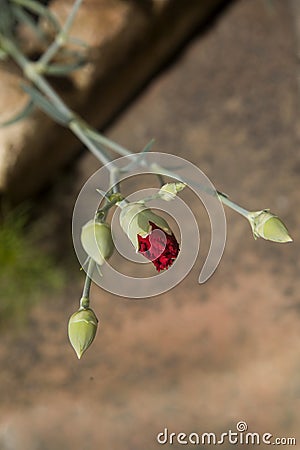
x,y
135,220
82,330
268,226
97,241
169,190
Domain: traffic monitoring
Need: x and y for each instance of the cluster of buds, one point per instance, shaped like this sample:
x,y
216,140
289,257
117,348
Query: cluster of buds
x,y
152,237
97,241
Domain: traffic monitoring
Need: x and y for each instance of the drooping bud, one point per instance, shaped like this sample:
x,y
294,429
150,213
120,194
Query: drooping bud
x,y
268,226
82,329
97,241
150,234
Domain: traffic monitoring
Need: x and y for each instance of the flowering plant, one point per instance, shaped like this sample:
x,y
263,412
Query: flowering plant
x,y
148,232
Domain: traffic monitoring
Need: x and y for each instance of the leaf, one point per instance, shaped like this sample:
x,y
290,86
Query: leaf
x,y
44,104
78,42
24,17
23,114
64,69
148,146
40,10
138,157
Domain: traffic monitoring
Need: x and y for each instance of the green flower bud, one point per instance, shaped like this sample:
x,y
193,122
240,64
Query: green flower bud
x,y
268,226
169,190
135,220
82,330
97,241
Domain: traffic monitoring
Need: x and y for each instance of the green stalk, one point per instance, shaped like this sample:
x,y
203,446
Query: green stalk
x,y
61,38
86,134
85,298
225,200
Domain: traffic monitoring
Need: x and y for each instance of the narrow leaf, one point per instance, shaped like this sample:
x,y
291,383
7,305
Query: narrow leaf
x,y
25,112
138,157
64,69
44,104
24,17
41,10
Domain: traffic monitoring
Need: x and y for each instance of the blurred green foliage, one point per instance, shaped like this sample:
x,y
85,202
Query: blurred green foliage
x,y
27,272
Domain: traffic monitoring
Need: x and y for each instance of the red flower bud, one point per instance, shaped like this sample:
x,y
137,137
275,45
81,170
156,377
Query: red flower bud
x,y
150,235
159,247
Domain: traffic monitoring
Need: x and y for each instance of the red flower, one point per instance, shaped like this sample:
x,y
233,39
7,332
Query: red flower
x,y
159,247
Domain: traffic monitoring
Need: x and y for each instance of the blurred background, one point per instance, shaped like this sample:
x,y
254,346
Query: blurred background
x,y
216,83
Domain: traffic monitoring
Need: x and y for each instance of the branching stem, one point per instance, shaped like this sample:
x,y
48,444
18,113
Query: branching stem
x,y
92,139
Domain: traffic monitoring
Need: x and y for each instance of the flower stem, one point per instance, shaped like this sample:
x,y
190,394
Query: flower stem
x,y
75,126
97,137
84,301
92,139
225,200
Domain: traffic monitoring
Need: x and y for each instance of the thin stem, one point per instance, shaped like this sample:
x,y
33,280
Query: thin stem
x,y
225,200
31,73
75,123
45,87
86,134
161,179
23,16
61,37
106,141
39,9
113,180
76,127
84,302
10,48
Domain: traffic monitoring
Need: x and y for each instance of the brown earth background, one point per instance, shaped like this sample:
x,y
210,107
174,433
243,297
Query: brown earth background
x,y
199,358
